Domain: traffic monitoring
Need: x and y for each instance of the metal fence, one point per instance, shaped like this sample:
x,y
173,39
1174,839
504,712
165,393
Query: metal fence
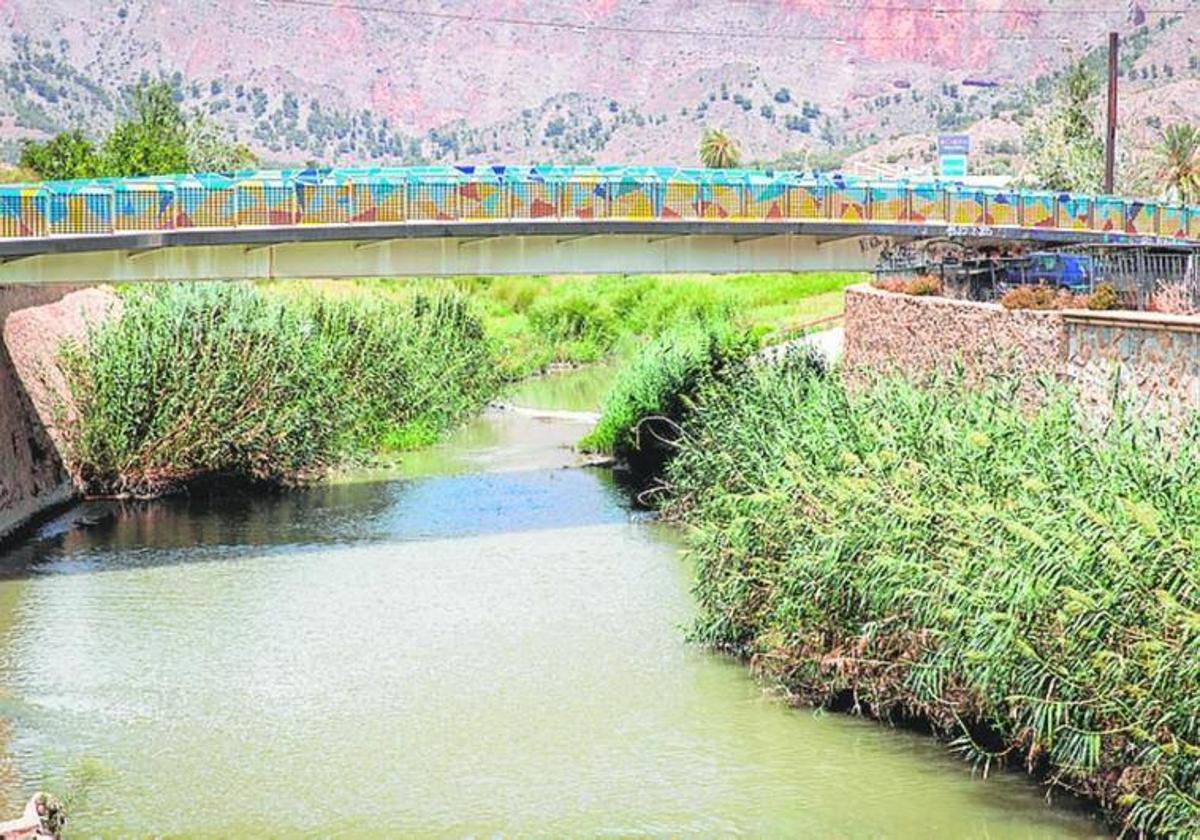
x,y
447,194
1137,274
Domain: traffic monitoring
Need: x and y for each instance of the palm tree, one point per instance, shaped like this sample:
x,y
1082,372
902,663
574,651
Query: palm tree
x,y
1179,162
718,150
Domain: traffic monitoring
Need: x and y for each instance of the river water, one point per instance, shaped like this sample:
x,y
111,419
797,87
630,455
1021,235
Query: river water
x,y
483,643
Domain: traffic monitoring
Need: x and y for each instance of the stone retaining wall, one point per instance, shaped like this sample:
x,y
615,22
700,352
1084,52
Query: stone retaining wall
x,y
1152,357
921,337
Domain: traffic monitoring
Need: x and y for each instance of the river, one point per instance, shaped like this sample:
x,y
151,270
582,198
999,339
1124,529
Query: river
x,y
484,642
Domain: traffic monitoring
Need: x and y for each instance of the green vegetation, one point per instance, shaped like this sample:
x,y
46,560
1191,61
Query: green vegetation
x,y
718,150
541,321
1066,151
1179,163
201,379
282,381
651,395
1027,586
158,140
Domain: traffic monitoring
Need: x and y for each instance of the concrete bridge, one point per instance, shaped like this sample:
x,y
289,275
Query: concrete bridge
x,y
527,220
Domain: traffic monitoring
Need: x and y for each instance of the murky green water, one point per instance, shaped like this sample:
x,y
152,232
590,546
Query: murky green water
x,y
492,646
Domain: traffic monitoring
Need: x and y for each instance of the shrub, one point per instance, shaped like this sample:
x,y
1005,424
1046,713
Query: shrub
x,y
924,285
1104,297
890,284
199,379
1026,586
1042,297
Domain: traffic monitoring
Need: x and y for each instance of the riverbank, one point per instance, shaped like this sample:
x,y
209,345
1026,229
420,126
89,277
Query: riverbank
x,y
1026,588
280,383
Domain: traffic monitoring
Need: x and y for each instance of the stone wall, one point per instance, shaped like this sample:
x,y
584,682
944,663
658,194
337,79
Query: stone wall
x,y
920,337
1152,357
32,477
1154,360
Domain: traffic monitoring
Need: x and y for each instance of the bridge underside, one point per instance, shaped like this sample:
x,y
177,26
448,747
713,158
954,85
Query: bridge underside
x,y
466,248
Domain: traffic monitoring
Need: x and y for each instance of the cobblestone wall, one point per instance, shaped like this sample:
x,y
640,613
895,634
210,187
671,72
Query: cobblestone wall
x,y
919,337
1152,357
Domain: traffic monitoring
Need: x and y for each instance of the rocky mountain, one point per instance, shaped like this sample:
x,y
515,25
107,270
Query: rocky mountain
x,y
376,81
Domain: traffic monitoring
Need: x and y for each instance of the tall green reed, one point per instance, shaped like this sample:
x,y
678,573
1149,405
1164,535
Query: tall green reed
x,y
1029,586
197,379
659,381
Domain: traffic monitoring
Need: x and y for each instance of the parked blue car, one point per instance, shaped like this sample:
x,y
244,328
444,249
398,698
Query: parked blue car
x,y
1065,271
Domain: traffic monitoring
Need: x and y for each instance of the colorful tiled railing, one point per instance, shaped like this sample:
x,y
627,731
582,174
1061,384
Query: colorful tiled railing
x,y
497,193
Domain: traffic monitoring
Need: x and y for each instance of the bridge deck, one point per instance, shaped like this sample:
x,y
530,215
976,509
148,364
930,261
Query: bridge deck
x,y
52,222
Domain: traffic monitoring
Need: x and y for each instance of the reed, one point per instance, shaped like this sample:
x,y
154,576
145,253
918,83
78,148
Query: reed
x,y
1027,586
202,379
655,387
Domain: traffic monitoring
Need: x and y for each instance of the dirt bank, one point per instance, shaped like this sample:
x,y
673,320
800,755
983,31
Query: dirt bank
x,y
35,321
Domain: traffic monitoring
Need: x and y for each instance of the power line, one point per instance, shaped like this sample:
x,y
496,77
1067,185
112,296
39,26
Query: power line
x,y
588,27
963,10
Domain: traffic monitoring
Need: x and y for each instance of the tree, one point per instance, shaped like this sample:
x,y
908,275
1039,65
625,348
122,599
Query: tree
x,y
1179,163
62,157
209,151
154,142
157,140
1066,153
718,150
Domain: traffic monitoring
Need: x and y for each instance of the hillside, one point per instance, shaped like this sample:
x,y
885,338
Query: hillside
x,y
612,81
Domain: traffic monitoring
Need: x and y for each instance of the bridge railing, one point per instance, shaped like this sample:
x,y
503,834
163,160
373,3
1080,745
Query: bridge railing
x,y
463,194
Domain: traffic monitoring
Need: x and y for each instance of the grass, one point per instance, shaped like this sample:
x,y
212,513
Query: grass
x,y
201,379
541,321
1028,587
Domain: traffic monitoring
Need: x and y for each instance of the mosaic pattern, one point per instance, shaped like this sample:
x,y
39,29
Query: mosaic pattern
x,y
467,193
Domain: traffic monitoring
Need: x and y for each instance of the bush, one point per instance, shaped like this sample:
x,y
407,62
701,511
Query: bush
x,y
200,379
1026,586
1104,297
1042,297
925,284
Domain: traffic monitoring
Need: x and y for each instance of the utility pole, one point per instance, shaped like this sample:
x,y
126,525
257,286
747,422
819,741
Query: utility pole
x,y
1110,136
